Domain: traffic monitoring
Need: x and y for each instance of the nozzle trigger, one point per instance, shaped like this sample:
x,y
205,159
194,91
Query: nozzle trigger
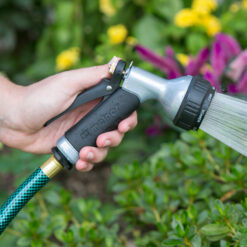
x,y
105,88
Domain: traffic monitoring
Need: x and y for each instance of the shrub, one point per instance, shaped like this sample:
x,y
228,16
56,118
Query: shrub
x,y
189,193
65,222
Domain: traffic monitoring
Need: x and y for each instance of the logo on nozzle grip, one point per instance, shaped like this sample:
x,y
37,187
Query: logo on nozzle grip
x,y
103,122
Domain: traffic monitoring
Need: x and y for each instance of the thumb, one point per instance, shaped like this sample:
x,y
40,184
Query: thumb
x,y
78,80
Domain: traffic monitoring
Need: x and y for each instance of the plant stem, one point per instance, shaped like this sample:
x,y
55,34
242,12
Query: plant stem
x,y
156,213
228,195
13,232
209,156
42,204
68,210
187,242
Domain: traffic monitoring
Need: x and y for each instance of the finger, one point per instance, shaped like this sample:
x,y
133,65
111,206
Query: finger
x,y
128,123
87,77
79,79
84,166
93,154
109,139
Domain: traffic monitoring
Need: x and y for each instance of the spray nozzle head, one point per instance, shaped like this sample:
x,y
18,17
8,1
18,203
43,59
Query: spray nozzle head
x,y
146,85
185,99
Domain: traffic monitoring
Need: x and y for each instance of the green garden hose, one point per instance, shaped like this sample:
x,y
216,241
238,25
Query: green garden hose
x,y
35,182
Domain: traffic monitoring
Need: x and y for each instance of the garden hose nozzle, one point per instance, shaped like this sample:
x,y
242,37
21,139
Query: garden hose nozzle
x,y
185,100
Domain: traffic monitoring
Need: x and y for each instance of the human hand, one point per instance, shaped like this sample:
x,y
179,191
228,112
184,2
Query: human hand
x,y
30,107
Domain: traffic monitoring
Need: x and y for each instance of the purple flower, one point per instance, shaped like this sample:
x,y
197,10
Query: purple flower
x,y
230,45
195,65
241,87
209,76
218,59
166,64
153,130
224,49
223,60
169,52
157,128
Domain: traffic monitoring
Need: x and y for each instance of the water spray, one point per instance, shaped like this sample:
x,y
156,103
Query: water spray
x,y
190,102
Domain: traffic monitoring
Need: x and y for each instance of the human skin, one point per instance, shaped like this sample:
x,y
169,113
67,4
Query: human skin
x,y
25,109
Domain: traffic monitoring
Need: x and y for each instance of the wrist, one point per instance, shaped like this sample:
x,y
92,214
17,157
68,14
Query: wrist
x,y
9,101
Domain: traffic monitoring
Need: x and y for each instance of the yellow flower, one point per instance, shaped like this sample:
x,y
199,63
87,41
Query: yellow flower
x,y
183,59
204,7
131,40
67,58
244,3
186,18
212,25
106,7
234,7
117,34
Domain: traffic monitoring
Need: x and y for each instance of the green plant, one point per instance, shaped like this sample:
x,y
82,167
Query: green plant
x,y
190,193
65,222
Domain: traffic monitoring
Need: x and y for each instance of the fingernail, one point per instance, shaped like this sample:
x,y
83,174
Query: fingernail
x,y
90,156
107,143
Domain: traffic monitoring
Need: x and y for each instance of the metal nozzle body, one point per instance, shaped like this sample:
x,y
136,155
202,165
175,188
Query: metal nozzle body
x,y
149,86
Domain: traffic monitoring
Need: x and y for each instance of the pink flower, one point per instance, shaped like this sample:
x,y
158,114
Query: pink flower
x,y
237,66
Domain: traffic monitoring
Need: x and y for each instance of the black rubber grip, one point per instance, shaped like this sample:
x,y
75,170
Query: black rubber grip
x,y
104,117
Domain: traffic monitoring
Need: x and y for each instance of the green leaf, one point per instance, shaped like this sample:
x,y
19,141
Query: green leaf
x,y
24,241
189,138
37,243
148,31
167,8
172,242
196,241
195,42
215,231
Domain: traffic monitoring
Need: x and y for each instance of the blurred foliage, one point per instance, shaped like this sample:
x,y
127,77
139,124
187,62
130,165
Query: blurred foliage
x,y
18,162
21,25
34,33
56,219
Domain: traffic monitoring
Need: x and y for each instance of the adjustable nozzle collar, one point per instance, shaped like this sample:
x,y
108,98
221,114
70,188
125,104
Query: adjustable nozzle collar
x,y
195,104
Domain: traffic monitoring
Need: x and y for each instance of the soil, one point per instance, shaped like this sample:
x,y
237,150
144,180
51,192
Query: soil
x,y
81,184
88,184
